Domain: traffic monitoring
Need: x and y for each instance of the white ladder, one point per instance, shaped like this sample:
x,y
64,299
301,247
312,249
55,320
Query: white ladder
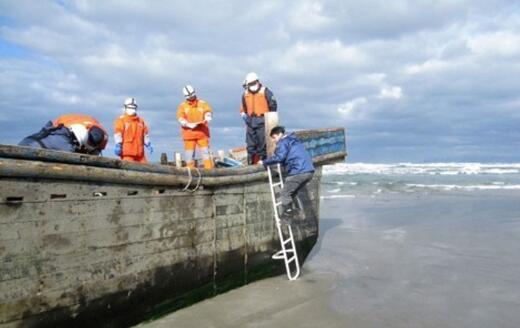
x,y
288,252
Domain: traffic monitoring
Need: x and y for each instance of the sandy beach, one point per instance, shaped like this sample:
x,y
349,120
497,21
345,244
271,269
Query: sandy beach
x,y
397,260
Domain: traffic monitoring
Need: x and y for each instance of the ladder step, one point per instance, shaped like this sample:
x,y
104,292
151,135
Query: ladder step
x,y
278,203
277,184
280,255
287,241
291,259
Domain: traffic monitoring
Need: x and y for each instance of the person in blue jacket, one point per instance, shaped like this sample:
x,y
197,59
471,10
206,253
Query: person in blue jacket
x,y
75,133
296,162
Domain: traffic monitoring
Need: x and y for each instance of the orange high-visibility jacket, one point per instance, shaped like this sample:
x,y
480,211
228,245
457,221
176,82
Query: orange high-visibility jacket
x,y
258,103
86,120
132,130
194,114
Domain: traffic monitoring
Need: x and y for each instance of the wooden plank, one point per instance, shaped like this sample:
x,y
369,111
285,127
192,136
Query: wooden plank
x,y
271,120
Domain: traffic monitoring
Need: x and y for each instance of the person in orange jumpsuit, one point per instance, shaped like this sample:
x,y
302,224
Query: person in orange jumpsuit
x,y
194,115
131,134
76,133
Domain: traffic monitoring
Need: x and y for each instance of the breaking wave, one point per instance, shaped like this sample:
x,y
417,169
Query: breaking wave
x,y
428,169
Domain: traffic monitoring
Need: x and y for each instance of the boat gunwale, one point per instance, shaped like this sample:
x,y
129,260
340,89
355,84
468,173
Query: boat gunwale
x,y
24,155
16,168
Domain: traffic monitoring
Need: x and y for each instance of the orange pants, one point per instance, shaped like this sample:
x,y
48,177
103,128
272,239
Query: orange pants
x,y
134,159
189,148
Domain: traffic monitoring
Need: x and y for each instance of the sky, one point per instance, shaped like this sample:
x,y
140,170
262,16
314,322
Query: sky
x,y
410,81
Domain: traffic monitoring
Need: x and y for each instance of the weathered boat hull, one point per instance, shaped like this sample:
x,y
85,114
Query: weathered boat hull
x,y
98,251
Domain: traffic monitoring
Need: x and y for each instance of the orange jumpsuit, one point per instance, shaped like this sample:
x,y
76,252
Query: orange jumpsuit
x,y
195,112
131,131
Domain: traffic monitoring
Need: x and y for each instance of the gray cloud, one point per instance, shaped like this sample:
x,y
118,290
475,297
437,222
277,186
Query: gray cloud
x,y
410,80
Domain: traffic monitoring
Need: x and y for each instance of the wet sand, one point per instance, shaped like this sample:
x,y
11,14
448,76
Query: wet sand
x,y
399,260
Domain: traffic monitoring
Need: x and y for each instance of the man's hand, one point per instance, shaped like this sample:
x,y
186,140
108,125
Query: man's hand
x,y
191,125
260,162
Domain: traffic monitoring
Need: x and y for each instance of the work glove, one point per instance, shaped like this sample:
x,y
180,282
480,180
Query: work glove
x,y
245,118
149,147
117,150
191,125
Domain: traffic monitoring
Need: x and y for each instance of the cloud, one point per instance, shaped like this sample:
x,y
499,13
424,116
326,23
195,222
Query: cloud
x,y
417,77
391,92
350,109
312,57
502,43
429,66
308,16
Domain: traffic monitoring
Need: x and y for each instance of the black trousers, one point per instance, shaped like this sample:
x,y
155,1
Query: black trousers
x,y
292,185
255,137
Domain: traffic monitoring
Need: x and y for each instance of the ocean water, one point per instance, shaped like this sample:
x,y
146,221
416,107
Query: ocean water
x,y
421,245
401,245
351,180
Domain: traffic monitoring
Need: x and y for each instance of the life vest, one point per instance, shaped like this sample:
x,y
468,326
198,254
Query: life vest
x,y
88,121
194,114
131,131
255,104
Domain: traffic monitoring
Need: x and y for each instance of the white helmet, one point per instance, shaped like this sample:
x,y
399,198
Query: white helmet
x,y
130,102
80,132
188,91
251,77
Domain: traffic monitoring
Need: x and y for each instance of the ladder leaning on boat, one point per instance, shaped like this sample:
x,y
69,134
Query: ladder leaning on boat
x,y
288,252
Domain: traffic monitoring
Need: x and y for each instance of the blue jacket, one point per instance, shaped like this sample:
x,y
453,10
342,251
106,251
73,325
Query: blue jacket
x,y
50,137
291,153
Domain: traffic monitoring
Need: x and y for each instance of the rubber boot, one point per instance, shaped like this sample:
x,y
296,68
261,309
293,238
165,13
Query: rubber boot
x,y
249,159
296,209
286,214
256,158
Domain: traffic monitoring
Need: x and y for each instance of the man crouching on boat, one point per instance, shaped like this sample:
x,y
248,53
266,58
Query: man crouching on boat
x,y
296,162
75,133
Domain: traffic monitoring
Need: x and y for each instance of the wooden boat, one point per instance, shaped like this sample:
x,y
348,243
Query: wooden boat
x,y
90,240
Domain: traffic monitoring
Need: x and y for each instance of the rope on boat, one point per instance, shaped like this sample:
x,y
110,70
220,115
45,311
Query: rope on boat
x,y
190,179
